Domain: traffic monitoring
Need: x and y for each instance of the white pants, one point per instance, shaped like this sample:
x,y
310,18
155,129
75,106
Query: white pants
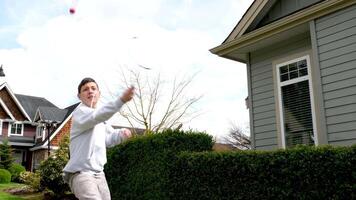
x,y
86,186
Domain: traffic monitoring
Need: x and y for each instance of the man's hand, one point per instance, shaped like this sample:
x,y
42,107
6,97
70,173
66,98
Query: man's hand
x,y
128,94
126,133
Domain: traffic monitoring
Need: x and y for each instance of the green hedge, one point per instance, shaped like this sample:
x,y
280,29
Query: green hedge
x,y
139,168
5,176
15,170
299,173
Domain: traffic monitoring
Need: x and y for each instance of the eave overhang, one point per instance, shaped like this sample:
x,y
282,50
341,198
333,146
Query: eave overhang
x,y
238,48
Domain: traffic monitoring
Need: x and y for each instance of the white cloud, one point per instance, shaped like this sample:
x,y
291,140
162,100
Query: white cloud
x,y
57,52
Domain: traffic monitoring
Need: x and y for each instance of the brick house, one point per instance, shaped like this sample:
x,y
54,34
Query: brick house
x,y
58,122
25,121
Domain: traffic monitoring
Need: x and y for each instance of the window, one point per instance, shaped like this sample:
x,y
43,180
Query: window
x,y
39,131
19,156
16,129
295,102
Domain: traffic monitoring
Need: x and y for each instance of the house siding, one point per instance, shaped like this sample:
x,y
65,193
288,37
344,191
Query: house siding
x,y
64,130
3,114
336,43
11,105
284,8
5,129
29,130
263,91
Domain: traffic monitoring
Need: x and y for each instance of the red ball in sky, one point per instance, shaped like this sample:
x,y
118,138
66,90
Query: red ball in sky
x,y
72,10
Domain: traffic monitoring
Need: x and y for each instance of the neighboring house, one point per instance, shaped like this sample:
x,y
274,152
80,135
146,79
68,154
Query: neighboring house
x,y
24,123
29,122
224,147
301,68
58,121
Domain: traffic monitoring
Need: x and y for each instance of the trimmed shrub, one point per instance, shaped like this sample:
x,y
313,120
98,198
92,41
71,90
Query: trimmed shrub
x,y
15,170
31,179
299,173
5,176
138,168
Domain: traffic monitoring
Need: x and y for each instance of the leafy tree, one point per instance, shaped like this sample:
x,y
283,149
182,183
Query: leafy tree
x,y
51,169
6,158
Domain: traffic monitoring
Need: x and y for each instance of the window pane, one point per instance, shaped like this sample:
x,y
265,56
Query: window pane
x,y
293,74
293,66
40,131
13,128
19,129
284,77
283,69
298,124
303,72
302,64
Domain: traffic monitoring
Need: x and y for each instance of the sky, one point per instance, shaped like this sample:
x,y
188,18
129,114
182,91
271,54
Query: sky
x,y
45,51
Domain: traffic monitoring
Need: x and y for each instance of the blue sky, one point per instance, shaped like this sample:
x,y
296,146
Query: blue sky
x,y
19,15
55,50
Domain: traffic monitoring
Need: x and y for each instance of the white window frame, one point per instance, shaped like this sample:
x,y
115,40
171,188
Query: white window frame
x,y
17,123
292,81
39,133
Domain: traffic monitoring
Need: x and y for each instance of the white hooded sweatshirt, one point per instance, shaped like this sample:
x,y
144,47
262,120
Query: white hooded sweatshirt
x,y
90,136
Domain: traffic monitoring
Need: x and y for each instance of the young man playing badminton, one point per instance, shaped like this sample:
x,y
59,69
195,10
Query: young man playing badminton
x,y
89,138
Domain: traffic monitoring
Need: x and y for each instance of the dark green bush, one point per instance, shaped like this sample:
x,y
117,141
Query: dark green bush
x,y
51,169
299,173
51,175
5,176
138,169
15,170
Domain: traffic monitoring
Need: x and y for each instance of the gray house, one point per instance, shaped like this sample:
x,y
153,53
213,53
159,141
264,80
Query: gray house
x,y
301,68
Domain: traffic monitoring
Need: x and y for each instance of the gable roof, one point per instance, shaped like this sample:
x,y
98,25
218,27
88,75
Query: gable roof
x,y
6,109
32,103
54,114
45,113
257,14
240,42
68,114
14,98
278,9
247,19
70,109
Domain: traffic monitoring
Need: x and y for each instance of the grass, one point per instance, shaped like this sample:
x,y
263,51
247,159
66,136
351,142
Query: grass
x,y
7,196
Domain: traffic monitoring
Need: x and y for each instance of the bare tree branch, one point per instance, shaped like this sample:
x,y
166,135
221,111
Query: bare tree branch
x,y
154,111
237,138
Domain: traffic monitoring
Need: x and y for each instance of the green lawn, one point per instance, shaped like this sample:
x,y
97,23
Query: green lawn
x,y
7,196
